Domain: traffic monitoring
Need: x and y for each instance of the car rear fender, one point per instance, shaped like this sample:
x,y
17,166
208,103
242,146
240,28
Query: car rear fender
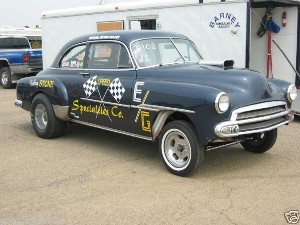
x,y
55,91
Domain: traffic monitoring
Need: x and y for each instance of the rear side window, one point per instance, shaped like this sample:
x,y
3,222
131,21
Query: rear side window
x,y
74,58
14,43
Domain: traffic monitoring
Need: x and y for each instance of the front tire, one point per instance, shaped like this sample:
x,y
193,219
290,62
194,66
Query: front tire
x,y
261,142
5,75
44,121
180,148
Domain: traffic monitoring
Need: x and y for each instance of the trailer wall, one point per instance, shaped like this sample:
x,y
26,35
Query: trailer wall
x,y
218,29
286,39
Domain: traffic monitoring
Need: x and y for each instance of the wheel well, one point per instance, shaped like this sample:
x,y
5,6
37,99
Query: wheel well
x,y
35,94
178,116
172,117
3,63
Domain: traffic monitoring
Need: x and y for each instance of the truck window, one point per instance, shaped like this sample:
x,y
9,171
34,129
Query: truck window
x,y
14,43
5,43
20,43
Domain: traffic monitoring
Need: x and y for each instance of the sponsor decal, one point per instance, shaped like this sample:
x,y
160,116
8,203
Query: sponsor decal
x,y
146,125
96,110
224,20
91,86
137,91
97,37
33,82
103,82
46,83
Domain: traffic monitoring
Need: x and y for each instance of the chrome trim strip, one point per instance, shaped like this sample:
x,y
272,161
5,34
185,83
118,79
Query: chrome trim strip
x,y
256,106
113,130
159,122
254,120
18,103
154,108
209,148
104,102
61,112
161,108
289,93
217,102
252,131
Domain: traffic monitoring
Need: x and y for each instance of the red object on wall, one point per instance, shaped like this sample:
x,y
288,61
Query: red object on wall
x,y
284,19
269,59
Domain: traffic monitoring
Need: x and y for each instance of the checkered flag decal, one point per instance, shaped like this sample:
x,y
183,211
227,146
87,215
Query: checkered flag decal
x,y
116,89
90,86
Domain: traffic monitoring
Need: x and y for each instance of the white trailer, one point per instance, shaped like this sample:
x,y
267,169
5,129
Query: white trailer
x,y
221,29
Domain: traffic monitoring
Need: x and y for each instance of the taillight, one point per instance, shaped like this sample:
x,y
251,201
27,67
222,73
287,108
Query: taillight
x,y
25,58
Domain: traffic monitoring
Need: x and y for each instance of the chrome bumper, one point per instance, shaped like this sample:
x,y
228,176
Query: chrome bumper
x,y
18,103
255,119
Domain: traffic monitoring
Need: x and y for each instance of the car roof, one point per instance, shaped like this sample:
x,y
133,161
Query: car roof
x,y
125,36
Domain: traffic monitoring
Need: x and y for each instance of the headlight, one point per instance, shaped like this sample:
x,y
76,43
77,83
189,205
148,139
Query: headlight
x,y
222,102
292,93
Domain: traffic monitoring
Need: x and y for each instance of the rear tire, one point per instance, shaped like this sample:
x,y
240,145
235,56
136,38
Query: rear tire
x,y
261,142
43,119
5,76
180,148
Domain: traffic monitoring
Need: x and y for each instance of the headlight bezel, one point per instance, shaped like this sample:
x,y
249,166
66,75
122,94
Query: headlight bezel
x,y
222,102
291,93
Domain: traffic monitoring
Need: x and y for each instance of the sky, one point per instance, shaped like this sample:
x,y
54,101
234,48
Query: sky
x,y
20,13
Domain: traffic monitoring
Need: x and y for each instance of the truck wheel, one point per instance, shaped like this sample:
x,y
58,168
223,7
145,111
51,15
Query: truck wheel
x,y
44,121
261,142
6,78
180,149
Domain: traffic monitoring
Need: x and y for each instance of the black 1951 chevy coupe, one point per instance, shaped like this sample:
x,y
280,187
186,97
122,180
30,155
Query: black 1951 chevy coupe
x,y
155,85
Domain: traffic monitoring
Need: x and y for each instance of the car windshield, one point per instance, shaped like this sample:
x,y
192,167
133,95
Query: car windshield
x,y
162,51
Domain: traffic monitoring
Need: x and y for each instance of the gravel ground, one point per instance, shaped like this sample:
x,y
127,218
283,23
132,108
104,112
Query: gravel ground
x,y
91,176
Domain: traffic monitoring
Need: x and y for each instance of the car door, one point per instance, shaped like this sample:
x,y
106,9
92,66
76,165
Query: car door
x,y
69,71
105,87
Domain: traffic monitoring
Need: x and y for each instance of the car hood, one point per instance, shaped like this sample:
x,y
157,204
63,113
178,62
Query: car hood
x,y
243,86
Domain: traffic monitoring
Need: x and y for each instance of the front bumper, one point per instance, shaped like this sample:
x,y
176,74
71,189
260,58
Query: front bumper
x,y
18,103
255,119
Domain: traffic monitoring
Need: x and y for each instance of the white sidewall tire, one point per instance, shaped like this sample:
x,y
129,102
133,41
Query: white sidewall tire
x,y
192,150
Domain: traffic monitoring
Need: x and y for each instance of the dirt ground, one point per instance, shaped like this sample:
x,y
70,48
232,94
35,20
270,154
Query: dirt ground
x,y
91,176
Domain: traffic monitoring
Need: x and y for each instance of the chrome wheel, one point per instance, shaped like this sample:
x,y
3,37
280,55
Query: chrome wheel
x,y
4,78
176,149
41,116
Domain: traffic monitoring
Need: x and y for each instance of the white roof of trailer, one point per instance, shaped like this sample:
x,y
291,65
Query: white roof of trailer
x,y
124,6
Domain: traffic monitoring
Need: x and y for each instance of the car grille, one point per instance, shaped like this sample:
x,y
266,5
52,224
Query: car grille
x,y
260,112
267,113
255,118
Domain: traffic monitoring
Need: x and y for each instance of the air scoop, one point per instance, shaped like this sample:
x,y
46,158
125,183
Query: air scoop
x,y
226,64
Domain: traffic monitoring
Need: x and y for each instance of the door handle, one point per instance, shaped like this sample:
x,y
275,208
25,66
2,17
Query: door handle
x,y
85,74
